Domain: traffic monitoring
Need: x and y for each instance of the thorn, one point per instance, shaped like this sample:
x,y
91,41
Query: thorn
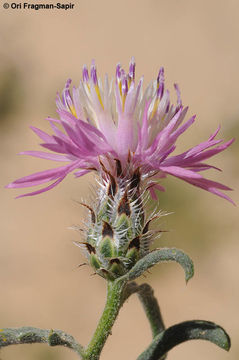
x,y
146,227
105,272
135,180
118,167
124,205
115,261
107,230
113,185
103,166
88,246
112,189
91,211
134,243
75,228
82,264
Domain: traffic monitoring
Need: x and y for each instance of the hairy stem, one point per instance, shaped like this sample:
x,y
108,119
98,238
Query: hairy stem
x,y
111,310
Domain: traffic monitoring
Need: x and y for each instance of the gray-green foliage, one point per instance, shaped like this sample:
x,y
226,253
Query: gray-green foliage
x,y
188,330
117,245
31,335
161,255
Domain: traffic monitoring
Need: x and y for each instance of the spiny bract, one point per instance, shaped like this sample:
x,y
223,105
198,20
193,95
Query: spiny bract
x,y
118,232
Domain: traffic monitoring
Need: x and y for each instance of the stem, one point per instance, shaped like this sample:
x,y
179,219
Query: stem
x,y
111,310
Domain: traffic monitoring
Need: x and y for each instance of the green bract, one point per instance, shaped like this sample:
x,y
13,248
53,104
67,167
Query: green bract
x,y
118,237
118,234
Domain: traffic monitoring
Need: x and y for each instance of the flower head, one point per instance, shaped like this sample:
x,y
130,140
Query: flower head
x,y
116,128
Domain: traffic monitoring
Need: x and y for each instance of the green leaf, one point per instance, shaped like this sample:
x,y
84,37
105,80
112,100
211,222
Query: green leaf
x,y
149,303
151,308
160,255
30,335
188,330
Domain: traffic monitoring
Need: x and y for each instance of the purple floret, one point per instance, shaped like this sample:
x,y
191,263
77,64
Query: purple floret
x,y
100,127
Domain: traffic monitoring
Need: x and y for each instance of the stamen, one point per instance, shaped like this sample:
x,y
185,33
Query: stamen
x,y
156,104
118,73
179,100
118,78
93,73
160,83
122,73
65,91
124,91
160,78
132,70
159,92
95,82
67,100
85,74
124,86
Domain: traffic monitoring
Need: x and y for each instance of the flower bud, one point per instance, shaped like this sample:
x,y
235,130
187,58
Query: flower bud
x,y
117,235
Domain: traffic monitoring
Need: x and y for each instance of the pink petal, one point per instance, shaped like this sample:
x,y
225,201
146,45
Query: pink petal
x,y
42,135
180,172
43,176
209,153
48,156
44,189
201,147
215,133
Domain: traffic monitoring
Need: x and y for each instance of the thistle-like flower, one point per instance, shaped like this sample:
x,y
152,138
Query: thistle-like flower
x,y
127,136
117,128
